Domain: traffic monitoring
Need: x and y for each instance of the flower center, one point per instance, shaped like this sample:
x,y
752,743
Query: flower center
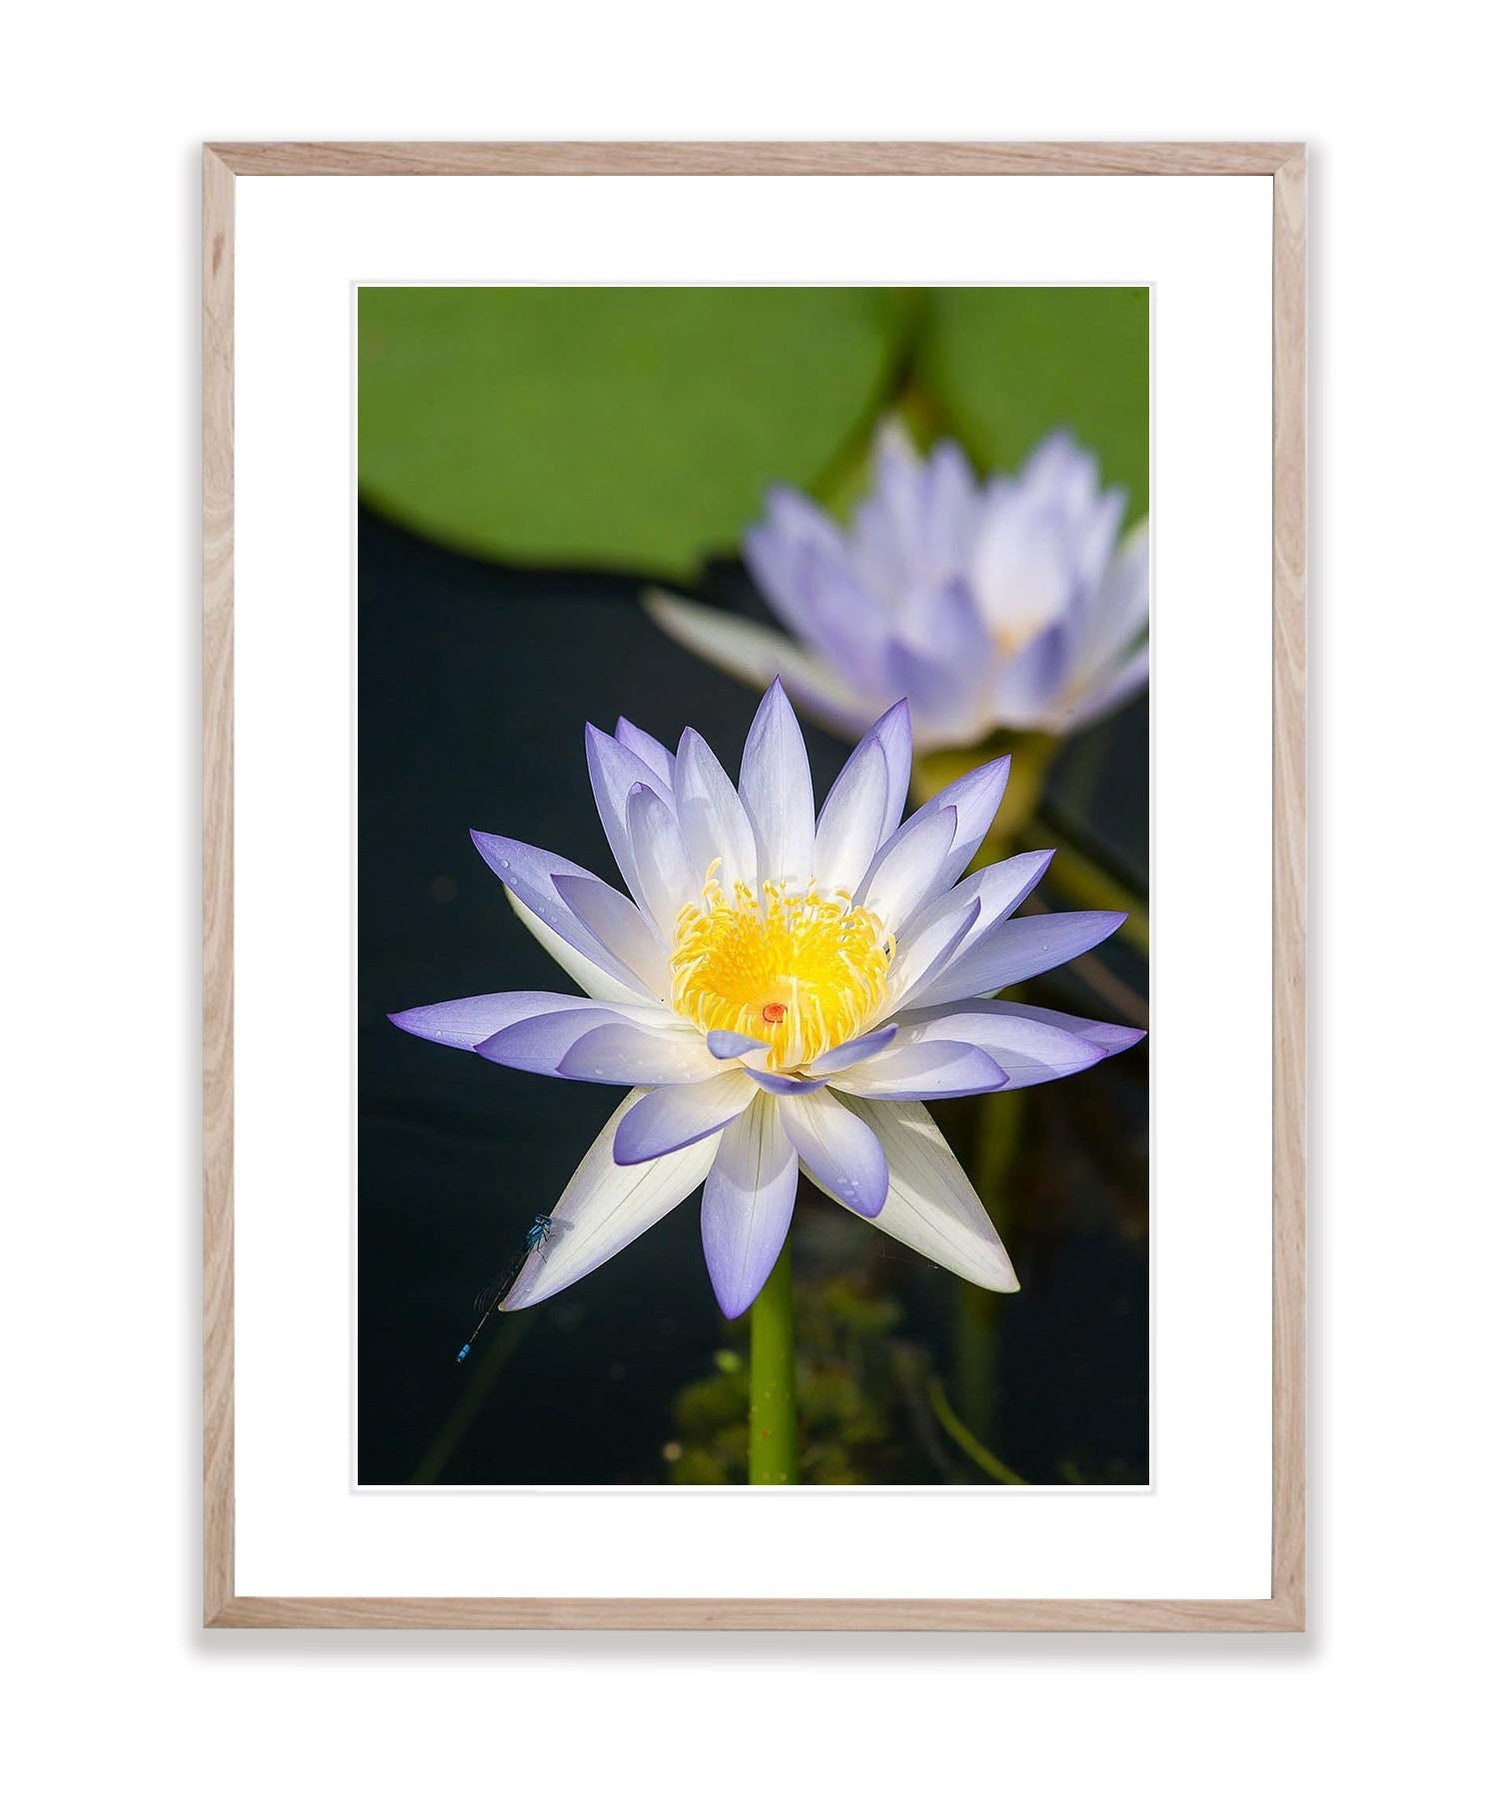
x,y
798,971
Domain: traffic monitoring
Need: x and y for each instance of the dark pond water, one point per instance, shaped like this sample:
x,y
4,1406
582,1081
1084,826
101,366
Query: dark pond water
x,y
474,685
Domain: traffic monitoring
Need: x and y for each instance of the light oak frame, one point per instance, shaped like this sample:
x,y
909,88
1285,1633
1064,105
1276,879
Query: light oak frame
x,y
1285,163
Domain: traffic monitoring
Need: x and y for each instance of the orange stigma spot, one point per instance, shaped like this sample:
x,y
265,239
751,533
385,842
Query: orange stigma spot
x,y
773,1013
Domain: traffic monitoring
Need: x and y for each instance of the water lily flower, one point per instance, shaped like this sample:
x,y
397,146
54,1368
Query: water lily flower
x,y
1007,604
781,988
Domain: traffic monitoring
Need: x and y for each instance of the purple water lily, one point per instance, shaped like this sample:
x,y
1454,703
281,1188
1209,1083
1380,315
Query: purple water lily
x,y
782,989
1012,603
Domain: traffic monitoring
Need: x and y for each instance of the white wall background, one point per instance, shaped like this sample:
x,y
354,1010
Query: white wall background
x,y
98,708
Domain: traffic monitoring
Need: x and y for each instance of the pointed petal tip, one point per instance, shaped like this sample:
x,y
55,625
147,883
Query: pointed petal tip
x,y
732,1305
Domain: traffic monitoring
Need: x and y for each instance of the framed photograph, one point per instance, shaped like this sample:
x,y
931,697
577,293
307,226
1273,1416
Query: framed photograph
x,y
754,886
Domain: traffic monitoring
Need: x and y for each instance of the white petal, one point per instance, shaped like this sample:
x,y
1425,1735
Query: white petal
x,y
619,926
931,1206
775,784
925,949
714,824
902,876
941,927
851,827
665,881
593,980
604,1207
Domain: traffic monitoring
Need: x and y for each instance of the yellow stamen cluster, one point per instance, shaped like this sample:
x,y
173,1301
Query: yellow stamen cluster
x,y
801,972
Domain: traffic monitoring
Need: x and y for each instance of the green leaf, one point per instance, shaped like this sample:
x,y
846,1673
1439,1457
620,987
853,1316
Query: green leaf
x,y
614,427
1008,365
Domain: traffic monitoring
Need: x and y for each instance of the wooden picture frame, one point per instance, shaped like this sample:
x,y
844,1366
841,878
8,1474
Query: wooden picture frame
x,y
1285,163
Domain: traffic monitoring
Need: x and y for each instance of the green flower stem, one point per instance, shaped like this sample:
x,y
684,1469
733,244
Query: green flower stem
x,y
967,1442
772,1416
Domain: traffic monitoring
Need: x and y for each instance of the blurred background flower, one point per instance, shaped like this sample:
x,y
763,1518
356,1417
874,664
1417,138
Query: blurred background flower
x,y
1010,603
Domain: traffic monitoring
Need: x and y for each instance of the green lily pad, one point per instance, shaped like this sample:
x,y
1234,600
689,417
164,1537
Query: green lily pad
x,y
1008,365
610,427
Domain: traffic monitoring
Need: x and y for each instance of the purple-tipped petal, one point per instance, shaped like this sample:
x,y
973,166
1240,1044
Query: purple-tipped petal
x,y
530,874
729,1045
893,733
925,949
466,1023
975,798
936,1070
747,1205
589,1042
857,1049
840,1151
618,924
1016,949
616,773
904,874
662,876
654,755
784,1083
669,1118
1110,1038
934,936
589,977
775,784
715,827
627,1056
851,826
1024,1041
